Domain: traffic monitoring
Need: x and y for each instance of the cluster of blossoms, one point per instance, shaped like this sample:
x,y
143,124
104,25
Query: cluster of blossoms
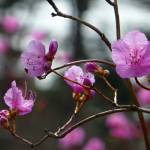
x,y
76,138
121,127
81,91
82,82
17,103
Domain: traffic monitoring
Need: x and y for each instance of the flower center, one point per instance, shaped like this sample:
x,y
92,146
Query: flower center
x,y
135,57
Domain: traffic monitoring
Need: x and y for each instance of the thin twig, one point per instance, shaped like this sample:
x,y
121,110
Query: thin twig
x,y
117,18
85,61
141,85
112,88
20,138
68,122
59,13
104,96
79,62
110,2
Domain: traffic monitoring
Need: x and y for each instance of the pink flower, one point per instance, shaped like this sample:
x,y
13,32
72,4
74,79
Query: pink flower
x,y
10,24
16,102
4,46
74,138
35,61
95,144
39,35
132,55
4,114
121,127
144,97
75,73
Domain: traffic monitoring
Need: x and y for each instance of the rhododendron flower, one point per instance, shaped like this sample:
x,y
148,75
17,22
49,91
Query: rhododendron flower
x,y
35,61
10,24
144,97
74,138
75,73
95,144
132,55
4,114
16,102
121,127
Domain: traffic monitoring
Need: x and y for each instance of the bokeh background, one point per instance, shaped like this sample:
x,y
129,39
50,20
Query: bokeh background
x,y
54,102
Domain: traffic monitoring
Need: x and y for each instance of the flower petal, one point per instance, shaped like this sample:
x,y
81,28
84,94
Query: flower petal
x,y
120,52
136,40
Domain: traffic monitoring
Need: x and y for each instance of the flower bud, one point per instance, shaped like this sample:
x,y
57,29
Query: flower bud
x,y
91,67
52,49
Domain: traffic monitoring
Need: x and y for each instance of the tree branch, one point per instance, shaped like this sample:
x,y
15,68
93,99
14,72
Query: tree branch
x,y
141,85
59,13
120,108
110,2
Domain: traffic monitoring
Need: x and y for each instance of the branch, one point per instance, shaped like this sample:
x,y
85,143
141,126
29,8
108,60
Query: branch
x,y
79,62
117,18
55,135
85,61
141,85
59,13
90,118
14,134
110,2
140,115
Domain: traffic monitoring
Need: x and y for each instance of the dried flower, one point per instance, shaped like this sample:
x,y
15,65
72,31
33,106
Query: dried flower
x,y
4,114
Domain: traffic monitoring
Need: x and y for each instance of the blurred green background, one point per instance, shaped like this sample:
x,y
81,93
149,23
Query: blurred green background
x,y
54,103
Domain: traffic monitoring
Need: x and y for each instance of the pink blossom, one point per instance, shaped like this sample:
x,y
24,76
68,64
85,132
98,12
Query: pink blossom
x,y
4,114
10,24
4,46
16,102
35,61
75,73
121,127
132,55
74,138
144,97
39,35
95,144
52,49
